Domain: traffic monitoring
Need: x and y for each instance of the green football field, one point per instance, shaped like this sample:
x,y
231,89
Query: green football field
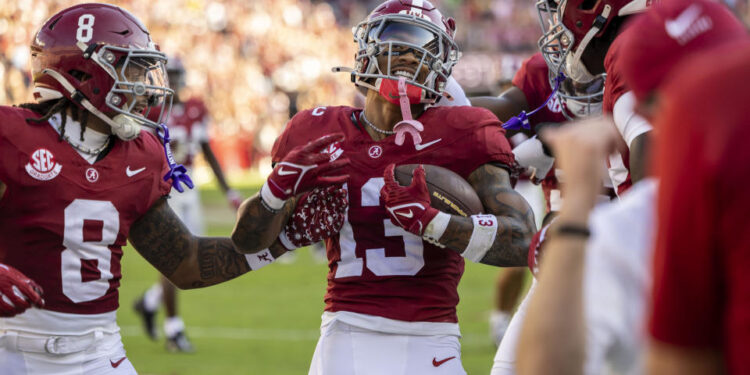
x,y
267,322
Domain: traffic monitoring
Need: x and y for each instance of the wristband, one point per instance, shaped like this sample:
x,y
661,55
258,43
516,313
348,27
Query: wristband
x,y
260,259
436,228
270,201
572,230
285,240
482,237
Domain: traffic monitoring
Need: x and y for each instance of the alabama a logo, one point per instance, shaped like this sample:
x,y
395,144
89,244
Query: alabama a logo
x,y
42,165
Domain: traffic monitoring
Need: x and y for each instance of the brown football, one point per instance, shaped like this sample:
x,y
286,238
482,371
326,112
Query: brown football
x,y
449,192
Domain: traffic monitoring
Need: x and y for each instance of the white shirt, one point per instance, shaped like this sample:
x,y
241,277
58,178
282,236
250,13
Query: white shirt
x,y
617,281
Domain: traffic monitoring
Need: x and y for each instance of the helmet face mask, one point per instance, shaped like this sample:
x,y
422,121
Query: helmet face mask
x,y
102,58
395,29
568,26
579,100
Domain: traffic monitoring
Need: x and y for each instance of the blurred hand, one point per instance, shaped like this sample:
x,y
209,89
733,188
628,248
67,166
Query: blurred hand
x,y
579,150
319,214
17,292
304,168
234,198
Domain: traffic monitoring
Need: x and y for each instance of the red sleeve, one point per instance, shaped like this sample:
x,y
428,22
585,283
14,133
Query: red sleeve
x,y
615,84
687,277
533,80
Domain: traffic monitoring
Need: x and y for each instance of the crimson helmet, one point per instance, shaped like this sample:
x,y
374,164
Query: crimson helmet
x,y
403,26
569,25
102,58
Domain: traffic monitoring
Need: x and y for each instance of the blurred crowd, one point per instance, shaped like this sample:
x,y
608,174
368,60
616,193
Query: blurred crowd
x,y
256,63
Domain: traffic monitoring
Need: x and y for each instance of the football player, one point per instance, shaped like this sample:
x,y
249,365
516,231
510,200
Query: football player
x,y
535,91
78,178
395,265
188,129
582,41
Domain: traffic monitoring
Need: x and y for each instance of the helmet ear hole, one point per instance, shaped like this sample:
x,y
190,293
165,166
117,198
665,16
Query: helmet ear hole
x,y
79,75
588,4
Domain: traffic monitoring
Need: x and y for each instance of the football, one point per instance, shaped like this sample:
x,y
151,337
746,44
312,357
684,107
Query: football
x,y
449,192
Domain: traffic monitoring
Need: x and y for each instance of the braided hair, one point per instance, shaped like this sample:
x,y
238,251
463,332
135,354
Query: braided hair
x,y
60,106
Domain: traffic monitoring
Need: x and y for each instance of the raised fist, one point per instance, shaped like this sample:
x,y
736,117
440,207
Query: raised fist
x,y
17,292
319,214
304,168
408,206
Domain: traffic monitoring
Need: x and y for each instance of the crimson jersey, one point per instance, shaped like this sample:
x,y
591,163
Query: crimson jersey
x,y
614,88
188,128
702,254
64,221
375,267
533,80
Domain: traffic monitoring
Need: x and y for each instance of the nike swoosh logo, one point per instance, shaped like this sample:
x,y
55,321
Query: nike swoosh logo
x,y
132,173
408,216
677,27
423,146
437,363
115,364
283,172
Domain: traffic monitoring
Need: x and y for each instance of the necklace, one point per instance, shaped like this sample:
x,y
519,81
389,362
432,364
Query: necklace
x,y
86,150
368,123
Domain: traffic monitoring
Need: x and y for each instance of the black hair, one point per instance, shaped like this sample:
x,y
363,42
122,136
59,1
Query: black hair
x,y
50,108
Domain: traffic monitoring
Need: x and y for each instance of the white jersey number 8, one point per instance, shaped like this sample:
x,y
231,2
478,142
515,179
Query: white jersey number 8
x,y
94,250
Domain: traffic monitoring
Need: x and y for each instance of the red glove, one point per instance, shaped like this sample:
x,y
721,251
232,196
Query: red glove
x,y
408,207
17,292
234,198
319,214
536,249
304,168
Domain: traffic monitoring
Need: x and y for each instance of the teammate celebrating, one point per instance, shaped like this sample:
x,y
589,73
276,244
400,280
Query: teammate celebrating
x,y
581,40
392,291
188,128
79,177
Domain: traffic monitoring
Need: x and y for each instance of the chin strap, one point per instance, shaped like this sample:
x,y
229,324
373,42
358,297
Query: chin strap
x,y
522,119
408,124
177,172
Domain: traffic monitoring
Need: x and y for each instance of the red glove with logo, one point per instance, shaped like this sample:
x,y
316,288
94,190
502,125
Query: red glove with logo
x,y
408,207
319,214
304,168
17,292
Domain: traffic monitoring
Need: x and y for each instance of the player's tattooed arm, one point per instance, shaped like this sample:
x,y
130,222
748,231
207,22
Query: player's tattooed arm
x,y
515,219
188,261
257,227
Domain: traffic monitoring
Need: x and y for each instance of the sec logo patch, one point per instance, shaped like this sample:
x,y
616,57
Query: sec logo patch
x,y
42,165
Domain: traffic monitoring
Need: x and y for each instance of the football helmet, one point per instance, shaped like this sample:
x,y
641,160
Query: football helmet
x,y
568,26
580,100
406,26
102,58
176,73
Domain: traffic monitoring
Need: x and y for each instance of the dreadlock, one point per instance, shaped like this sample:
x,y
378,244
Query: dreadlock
x,y
60,106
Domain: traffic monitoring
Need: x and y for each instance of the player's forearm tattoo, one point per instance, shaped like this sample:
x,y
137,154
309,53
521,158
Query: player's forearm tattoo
x,y
218,261
515,219
257,227
163,240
